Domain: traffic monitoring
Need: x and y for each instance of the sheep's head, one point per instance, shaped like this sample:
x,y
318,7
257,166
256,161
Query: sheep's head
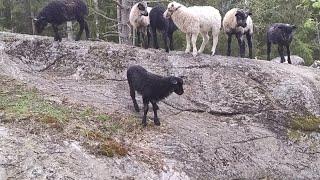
x,y
142,6
40,23
287,28
172,7
177,84
241,17
286,31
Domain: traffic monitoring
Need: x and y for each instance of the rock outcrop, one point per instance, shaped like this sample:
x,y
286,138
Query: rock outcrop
x,y
232,121
316,64
295,60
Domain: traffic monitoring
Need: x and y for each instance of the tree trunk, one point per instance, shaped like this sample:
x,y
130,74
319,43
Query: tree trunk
x,y
96,7
124,28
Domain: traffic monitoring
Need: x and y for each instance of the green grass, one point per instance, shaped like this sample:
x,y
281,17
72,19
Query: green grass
x,y
103,117
97,130
23,103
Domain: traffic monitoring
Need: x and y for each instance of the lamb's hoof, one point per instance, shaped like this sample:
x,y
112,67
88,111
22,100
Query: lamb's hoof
x,y
157,122
187,51
194,54
144,125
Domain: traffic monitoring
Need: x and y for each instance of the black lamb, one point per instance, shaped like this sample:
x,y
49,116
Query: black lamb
x,y
58,12
153,88
166,26
281,34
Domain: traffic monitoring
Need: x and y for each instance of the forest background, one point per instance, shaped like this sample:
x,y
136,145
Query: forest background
x,y
108,21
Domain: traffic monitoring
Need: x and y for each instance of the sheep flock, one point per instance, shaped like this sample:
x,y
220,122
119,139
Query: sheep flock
x,y
192,21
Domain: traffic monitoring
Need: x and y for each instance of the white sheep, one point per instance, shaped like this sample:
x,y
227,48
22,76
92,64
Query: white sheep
x,y
238,22
195,20
139,19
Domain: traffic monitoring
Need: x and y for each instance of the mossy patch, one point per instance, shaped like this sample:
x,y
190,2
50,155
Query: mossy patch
x,y
309,123
95,130
301,127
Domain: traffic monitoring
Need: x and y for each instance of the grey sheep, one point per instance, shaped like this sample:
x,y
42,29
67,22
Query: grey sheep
x,y
281,34
153,88
238,22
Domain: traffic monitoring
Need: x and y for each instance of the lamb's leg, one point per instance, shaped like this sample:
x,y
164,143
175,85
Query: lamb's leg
x,y
86,28
155,39
155,108
171,40
249,39
194,44
205,39
229,44
268,50
82,25
148,37
145,111
188,38
215,39
144,44
138,40
241,44
165,39
133,97
280,50
56,33
288,53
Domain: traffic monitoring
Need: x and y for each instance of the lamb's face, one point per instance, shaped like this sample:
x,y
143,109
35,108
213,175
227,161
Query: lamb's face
x,y
241,17
142,6
40,23
172,7
177,84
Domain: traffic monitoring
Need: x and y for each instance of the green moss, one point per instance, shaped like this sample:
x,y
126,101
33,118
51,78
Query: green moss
x,y
295,135
309,123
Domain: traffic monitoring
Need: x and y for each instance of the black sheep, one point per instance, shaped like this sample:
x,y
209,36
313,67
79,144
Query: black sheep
x,y
282,35
166,26
59,11
153,88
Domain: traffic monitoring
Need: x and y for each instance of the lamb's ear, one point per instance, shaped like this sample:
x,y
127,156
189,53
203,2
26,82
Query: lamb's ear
x,y
178,7
238,13
35,19
294,27
249,13
173,81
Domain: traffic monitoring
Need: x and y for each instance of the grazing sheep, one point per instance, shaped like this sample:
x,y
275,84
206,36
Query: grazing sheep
x,y
59,11
282,35
157,21
195,20
153,88
238,22
139,19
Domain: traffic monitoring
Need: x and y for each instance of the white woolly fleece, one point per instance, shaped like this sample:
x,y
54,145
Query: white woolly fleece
x,y
195,20
230,23
136,19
